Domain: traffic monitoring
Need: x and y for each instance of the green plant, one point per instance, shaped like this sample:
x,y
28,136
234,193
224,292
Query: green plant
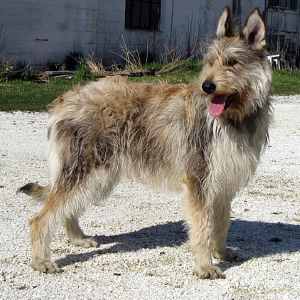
x,y
5,68
83,72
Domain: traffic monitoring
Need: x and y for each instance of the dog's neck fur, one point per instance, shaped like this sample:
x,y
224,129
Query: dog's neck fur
x,y
251,123
234,150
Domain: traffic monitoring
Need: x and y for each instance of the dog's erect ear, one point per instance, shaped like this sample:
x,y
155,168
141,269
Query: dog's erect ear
x,y
254,31
225,24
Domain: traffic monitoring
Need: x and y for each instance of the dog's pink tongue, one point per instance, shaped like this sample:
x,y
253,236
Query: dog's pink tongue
x,y
217,105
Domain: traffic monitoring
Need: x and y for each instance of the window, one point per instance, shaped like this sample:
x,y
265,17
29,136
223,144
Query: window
x,y
278,4
283,4
236,13
236,8
142,14
293,4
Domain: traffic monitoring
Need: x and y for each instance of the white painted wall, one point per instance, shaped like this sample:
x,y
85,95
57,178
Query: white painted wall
x,y
200,16
40,31
111,32
177,19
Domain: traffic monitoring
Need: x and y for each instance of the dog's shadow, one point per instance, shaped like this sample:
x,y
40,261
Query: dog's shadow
x,y
252,238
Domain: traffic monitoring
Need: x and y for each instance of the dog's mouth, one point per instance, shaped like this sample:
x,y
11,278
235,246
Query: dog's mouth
x,y
219,103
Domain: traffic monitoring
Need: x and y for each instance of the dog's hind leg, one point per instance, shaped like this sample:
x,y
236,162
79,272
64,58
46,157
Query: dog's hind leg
x,y
199,217
76,235
42,227
98,188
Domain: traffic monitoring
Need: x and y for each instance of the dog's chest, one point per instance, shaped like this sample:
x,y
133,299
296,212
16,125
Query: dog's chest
x,y
233,160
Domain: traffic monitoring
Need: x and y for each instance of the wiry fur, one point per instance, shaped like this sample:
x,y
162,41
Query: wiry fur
x,y
162,135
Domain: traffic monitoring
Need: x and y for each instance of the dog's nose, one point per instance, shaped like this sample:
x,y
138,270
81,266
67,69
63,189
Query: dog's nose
x,y
208,87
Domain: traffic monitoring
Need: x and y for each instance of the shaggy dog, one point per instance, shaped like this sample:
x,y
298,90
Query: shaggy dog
x,y
206,137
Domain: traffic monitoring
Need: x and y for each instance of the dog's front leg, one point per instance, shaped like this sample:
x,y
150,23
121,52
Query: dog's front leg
x,y
221,223
199,216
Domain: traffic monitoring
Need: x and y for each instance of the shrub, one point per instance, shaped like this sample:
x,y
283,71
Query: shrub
x,y
73,60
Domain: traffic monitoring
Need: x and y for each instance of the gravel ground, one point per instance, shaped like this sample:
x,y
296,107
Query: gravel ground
x,y
143,252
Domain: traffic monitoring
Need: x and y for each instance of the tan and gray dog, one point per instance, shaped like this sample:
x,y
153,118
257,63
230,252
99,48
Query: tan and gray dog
x,y
206,137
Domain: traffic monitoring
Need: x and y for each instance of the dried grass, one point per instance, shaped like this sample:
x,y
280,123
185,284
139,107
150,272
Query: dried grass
x,y
95,66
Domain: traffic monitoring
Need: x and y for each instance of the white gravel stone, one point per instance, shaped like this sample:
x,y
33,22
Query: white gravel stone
x,y
143,252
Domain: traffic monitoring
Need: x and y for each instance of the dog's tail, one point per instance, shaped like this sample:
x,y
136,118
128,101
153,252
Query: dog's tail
x,y
38,192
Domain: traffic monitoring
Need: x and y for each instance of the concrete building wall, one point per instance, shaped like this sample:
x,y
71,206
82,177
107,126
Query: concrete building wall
x,y
45,31
112,35
191,21
40,31
248,6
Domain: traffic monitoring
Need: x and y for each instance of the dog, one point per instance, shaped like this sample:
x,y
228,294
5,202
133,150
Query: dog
x,y
204,138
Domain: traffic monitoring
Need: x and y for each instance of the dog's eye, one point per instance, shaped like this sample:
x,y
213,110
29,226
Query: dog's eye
x,y
209,62
231,62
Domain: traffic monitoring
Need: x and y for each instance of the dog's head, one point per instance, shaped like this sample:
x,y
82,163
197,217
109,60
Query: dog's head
x,y
236,75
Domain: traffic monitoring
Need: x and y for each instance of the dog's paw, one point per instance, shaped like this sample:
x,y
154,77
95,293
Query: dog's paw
x,y
229,255
209,272
45,266
86,242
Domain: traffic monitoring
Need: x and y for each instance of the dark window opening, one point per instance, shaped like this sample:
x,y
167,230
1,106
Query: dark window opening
x,y
293,4
283,4
236,8
143,14
273,3
236,13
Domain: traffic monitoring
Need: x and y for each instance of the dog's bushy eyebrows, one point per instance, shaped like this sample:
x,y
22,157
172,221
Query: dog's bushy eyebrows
x,y
232,49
